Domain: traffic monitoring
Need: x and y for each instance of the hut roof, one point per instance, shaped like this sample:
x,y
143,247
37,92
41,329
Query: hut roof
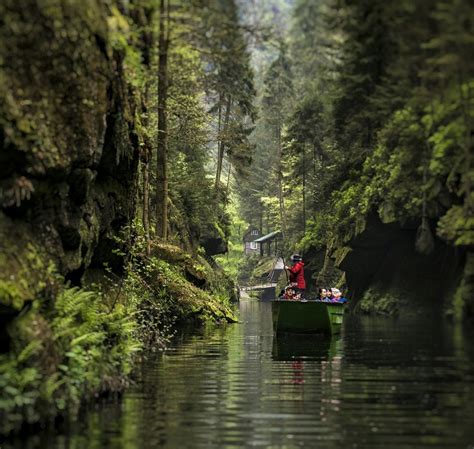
x,y
268,237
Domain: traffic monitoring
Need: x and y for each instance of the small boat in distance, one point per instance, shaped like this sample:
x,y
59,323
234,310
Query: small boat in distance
x,y
307,317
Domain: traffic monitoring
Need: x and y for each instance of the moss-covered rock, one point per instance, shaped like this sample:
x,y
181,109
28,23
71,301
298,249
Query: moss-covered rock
x,y
76,343
64,109
69,147
199,290
386,274
379,301
70,138
26,270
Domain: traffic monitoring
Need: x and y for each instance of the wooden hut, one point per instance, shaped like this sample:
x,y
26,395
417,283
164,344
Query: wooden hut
x,y
268,245
250,247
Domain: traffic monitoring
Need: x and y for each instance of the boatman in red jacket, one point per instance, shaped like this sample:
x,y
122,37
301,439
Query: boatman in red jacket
x,y
297,274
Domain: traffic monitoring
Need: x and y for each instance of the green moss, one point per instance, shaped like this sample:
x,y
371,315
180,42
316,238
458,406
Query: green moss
x,y
33,114
197,269
463,301
376,302
195,290
11,295
26,271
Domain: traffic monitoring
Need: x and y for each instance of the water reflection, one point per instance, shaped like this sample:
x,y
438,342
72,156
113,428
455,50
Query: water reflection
x,y
312,347
382,383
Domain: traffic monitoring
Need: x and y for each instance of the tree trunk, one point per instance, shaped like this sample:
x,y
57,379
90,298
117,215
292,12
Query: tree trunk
x,y
280,183
162,139
146,175
146,200
229,172
226,198
221,147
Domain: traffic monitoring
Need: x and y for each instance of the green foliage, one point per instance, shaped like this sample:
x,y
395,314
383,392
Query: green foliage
x,y
98,344
124,37
457,226
380,121
62,353
70,344
259,195
81,343
315,236
388,304
233,262
389,120
205,73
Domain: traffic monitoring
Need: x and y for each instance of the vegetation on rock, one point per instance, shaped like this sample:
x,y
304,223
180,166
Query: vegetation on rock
x,y
84,282
130,130
376,111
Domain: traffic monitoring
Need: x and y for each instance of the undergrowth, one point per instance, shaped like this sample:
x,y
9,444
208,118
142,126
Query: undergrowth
x,y
80,343
63,352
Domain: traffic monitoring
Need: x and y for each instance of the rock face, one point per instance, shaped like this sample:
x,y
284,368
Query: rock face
x,y
384,273
69,151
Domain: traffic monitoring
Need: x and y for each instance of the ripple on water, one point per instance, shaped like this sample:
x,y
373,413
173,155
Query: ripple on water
x,y
382,384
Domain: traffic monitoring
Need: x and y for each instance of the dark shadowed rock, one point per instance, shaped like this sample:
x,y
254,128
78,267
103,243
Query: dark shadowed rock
x,y
69,151
385,273
214,246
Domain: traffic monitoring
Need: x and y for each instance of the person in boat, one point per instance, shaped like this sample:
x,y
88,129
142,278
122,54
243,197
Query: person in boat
x,y
322,292
328,294
337,295
297,274
288,292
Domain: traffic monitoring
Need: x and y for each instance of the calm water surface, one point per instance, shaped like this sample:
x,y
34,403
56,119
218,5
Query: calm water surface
x,y
383,383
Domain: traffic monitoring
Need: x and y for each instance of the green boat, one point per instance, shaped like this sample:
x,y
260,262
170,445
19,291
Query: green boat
x,y
307,317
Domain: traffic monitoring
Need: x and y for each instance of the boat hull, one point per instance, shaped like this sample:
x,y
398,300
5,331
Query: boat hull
x,y
307,317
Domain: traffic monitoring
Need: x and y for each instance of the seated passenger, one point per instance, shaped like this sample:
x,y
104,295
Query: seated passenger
x,y
328,294
322,294
290,292
337,295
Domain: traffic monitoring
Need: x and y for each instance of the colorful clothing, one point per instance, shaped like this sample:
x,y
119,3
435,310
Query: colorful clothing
x,y
297,275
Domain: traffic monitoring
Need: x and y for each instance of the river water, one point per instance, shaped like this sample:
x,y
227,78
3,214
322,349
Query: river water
x,y
384,383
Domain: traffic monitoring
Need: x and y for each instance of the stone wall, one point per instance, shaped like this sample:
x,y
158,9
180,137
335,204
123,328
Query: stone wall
x,y
385,274
69,148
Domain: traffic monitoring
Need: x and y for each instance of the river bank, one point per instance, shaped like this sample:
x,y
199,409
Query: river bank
x,y
79,297
81,343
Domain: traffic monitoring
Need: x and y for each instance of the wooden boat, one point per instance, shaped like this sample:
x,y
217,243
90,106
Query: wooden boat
x,y
307,317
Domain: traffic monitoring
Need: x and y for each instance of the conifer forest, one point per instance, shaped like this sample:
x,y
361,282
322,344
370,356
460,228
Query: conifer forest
x,y
160,163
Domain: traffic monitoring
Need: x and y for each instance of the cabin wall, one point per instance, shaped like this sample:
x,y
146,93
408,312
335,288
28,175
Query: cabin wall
x,y
248,250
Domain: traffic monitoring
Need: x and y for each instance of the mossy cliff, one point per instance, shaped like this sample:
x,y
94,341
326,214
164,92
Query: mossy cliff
x,y
385,274
78,298
69,142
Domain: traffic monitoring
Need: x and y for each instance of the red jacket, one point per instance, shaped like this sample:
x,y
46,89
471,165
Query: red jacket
x,y
297,274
